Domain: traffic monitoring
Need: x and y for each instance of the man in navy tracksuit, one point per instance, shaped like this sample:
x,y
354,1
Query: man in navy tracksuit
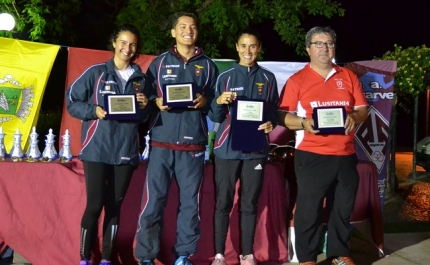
x,y
178,139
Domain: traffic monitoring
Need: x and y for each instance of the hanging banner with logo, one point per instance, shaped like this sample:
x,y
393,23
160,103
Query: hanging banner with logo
x,y
371,137
78,61
24,70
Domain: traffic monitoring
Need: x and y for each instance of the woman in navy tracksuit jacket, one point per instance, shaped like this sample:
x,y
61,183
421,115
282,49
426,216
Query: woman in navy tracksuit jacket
x,y
110,148
246,79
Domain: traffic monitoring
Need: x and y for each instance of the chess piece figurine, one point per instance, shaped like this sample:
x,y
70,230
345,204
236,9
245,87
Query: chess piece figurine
x,y
49,153
3,153
66,152
16,153
33,152
145,152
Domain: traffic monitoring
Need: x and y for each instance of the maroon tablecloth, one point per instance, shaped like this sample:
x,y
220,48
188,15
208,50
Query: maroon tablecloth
x,y
42,203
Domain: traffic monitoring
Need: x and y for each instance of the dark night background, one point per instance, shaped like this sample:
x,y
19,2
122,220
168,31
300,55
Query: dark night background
x,y
367,30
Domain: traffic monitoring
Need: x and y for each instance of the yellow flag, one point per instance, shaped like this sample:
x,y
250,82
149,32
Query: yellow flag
x,y
24,72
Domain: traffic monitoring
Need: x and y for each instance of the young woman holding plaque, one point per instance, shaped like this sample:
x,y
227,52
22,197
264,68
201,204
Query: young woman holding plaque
x,y
110,148
248,81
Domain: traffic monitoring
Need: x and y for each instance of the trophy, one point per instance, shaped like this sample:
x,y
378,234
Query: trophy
x,y
16,153
3,153
33,153
145,152
66,152
49,154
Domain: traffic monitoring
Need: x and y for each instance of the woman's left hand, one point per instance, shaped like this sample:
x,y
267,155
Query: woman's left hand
x,y
142,99
267,127
226,98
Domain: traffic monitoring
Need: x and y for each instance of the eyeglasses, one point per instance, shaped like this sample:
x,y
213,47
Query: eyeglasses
x,y
320,44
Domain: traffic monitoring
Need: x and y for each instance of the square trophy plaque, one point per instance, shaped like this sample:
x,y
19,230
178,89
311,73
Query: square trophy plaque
x,y
329,120
178,95
121,107
247,115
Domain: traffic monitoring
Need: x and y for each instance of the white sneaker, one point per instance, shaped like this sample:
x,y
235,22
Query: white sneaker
x,y
247,260
219,260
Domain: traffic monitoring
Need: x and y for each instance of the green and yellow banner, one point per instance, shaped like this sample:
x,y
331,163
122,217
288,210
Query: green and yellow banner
x,y
24,70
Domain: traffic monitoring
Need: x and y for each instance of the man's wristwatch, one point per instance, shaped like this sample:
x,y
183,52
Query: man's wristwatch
x,y
302,122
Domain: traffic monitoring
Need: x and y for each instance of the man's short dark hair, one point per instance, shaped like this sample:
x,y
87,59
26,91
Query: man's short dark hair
x,y
319,30
176,16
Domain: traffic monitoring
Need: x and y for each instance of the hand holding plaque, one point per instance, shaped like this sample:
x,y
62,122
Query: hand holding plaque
x,y
180,95
329,120
121,107
226,97
247,116
200,102
142,100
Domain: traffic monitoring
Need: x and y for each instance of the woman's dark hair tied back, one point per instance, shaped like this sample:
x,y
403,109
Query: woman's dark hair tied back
x,y
125,28
249,31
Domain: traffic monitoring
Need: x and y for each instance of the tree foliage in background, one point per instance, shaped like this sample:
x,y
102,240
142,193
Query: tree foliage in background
x,y
413,68
220,20
63,21
46,21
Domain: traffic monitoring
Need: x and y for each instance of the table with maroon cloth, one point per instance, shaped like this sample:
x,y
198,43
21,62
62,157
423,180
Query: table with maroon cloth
x,y
41,205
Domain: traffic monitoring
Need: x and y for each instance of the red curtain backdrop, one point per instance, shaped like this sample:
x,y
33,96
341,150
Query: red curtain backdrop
x,y
78,61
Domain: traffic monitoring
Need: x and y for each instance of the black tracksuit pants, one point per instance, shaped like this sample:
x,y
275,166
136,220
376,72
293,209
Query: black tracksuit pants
x,y
106,186
319,177
227,172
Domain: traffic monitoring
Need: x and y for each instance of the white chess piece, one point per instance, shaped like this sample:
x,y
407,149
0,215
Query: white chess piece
x,y
66,152
3,153
145,152
16,153
33,152
50,153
